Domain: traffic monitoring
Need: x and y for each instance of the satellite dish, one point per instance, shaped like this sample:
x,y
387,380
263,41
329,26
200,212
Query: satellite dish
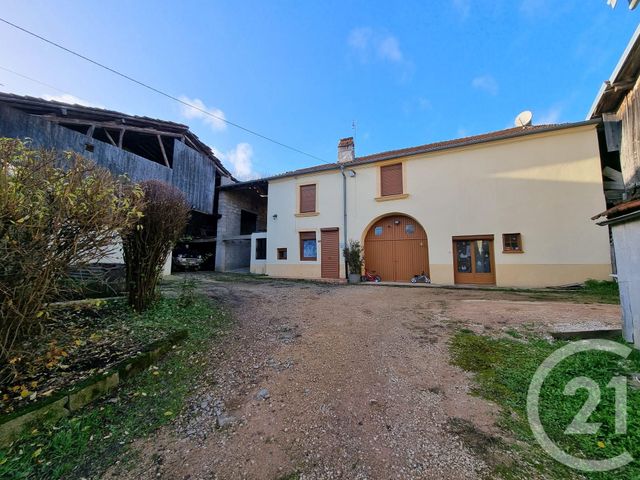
x,y
524,119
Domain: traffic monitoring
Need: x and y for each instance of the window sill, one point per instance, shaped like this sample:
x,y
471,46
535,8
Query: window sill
x,y
513,251
400,196
308,259
307,214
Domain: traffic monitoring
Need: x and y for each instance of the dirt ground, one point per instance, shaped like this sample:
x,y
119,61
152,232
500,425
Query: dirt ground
x,y
338,381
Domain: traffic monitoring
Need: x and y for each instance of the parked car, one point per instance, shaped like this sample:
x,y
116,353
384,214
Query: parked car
x,y
188,260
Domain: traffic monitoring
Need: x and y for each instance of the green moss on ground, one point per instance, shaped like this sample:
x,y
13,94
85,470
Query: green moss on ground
x,y
85,444
503,369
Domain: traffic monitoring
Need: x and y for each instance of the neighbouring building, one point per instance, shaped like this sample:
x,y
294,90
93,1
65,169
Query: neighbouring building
x,y
507,208
140,147
618,104
242,208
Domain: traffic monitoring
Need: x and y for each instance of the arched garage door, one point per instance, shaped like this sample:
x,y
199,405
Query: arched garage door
x,y
396,248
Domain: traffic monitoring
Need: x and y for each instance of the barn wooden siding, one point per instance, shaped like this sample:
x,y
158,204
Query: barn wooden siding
x,y
193,172
629,113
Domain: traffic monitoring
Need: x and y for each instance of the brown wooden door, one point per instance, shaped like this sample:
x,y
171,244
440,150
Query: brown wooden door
x,y
329,253
473,260
396,249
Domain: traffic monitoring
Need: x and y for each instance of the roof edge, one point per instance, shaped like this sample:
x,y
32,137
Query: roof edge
x,y
614,75
429,148
473,140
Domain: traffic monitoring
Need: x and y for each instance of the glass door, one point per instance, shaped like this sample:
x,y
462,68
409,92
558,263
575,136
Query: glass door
x,y
473,261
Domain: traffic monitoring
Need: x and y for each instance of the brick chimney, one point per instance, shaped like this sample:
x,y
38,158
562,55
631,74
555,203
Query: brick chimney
x,y
346,150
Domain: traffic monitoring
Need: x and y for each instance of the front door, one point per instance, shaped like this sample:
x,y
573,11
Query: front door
x,y
329,253
473,261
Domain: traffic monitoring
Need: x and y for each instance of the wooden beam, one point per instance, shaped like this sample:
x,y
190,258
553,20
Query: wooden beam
x,y
113,125
164,154
110,137
120,138
90,131
188,140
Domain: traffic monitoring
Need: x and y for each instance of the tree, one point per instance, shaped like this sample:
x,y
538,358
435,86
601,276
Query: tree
x,y
147,246
56,211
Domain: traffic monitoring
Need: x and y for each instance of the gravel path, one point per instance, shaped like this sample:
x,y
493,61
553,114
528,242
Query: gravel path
x,y
343,382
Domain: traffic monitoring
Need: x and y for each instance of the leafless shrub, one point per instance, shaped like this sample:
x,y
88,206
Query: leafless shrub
x,y
51,218
146,247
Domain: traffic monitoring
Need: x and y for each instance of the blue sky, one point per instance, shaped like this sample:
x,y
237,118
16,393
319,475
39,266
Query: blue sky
x,y
301,72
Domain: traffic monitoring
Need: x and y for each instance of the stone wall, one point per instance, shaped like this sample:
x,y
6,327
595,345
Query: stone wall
x,y
233,251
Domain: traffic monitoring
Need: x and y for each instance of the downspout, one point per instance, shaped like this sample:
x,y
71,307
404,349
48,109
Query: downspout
x,y
344,220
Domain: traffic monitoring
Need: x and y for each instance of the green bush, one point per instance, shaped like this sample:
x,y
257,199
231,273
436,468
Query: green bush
x,y
353,256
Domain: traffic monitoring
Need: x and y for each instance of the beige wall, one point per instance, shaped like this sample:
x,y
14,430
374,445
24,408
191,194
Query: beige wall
x,y
283,232
545,186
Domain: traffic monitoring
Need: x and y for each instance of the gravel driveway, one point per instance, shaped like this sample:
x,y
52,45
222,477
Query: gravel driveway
x,y
348,382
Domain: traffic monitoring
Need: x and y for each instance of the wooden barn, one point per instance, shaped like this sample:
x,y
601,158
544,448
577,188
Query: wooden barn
x,y
140,147
618,103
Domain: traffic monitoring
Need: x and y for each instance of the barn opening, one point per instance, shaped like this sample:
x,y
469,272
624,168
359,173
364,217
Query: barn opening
x,y
396,248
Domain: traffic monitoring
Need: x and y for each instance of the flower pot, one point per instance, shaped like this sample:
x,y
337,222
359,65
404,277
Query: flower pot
x,y
354,278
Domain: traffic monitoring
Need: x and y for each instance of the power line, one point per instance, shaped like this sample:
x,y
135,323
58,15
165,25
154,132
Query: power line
x,y
158,91
32,79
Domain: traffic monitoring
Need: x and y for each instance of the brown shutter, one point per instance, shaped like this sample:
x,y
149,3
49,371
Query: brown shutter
x,y
307,198
391,180
329,253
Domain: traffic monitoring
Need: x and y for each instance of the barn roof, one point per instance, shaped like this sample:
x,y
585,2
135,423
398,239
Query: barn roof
x,y
74,113
622,80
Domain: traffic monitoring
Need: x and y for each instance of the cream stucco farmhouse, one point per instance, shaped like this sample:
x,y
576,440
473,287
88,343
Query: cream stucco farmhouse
x,y
507,208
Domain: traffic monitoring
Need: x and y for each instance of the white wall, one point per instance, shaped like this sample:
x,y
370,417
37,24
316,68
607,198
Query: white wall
x,y
544,186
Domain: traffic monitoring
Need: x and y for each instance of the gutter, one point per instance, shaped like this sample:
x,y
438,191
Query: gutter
x,y
621,219
344,218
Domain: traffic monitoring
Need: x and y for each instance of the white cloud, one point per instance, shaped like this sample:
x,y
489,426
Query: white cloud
x,y
359,38
389,49
536,8
71,99
552,115
463,7
486,83
368,44
216,122
241,161
424,103
462,132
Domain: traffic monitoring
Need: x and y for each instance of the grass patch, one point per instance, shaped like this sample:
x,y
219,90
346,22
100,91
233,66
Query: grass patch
x,y
503,369
290,476
604,291
593,291
85,444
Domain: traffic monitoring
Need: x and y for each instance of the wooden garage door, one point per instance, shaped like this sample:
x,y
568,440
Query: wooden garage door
x,y
329,253
396,249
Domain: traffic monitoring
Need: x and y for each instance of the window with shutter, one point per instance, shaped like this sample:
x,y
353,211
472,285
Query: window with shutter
x,y
391,180
308,198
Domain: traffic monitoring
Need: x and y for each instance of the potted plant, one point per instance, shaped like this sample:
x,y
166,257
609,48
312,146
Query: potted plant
x,y
353,256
